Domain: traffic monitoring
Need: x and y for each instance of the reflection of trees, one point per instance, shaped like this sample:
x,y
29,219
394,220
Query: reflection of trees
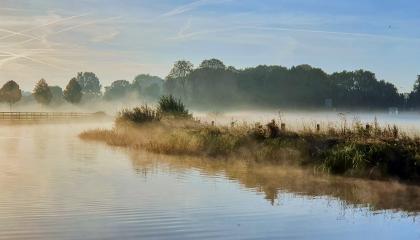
x,y
275,180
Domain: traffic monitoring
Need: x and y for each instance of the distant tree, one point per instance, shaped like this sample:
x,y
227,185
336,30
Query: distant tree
x,y
117,90
232,69
27,98
57,95
152,91
91,86
209,86
176,81
212,64
414,96
73,92
416,87
10,93
361,89
145,80
42,92
148,86
181,69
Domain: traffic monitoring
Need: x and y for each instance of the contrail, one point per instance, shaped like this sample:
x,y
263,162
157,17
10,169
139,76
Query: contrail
x,y
16,56
3,61
188,7
67,29
20,34
44,25
13,9
184,8
86,23
259,28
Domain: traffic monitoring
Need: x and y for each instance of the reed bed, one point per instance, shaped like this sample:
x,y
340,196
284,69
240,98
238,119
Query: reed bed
x,y
358,150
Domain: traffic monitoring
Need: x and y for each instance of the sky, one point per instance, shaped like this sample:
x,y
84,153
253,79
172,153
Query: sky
x,y
118,39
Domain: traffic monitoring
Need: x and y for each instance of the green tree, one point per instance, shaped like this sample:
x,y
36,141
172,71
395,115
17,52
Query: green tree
x,y
152,91
213,64
57,95
176,81
145,80
91,86
118,89
10,93
181,69
148,86
73,92
302,86
416,87
42,92
414,96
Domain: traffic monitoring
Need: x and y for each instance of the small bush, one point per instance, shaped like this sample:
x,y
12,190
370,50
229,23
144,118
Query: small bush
x,y
273,129
138,115
258,132
168,105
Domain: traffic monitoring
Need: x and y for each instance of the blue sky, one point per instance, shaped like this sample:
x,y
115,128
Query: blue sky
x,y
54,39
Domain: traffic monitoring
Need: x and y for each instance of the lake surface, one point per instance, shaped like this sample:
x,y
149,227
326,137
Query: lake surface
x,y
55,186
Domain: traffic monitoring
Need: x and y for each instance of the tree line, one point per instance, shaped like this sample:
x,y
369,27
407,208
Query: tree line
x,y
86,87
214,85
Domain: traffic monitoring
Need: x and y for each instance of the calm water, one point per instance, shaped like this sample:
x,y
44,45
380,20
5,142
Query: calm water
x,y
55,186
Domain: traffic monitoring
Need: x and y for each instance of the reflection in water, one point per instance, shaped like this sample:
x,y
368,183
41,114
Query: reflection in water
x,y
55,186
272,180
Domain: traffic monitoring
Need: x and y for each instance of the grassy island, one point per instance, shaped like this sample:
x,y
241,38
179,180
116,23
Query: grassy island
x,y
367,150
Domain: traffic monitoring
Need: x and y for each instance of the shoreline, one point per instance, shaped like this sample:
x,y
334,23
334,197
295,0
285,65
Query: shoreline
x,y
360,151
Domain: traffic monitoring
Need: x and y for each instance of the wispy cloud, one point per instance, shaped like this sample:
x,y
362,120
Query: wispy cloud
x,y
105,37
191,6
184,35
183,32
14,33
43,26
87,23
28,57
13,9
14,50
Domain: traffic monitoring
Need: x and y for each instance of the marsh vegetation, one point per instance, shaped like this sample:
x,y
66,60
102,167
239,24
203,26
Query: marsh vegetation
x,y
358,150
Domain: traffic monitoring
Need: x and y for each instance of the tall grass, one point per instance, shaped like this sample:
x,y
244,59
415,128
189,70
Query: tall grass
x,y
365,150
168,107
138,115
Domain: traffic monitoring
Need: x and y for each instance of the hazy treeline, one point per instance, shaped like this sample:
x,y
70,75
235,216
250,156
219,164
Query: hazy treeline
x,y
213,85
85,88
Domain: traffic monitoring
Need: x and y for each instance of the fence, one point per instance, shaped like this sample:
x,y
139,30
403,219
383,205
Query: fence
x,y
35,116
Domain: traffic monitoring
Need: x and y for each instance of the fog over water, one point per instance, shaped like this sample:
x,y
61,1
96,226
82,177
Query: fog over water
x,y
296,120
56,186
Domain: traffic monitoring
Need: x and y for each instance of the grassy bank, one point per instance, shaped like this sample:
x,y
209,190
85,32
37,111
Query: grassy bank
x,y
359,150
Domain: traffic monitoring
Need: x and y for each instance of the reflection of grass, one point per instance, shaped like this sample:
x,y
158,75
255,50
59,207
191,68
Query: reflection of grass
x,y
355,151
273,180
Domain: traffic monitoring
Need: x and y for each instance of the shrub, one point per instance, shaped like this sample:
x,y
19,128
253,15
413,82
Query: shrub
x,y
138,115
168,105
273,129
